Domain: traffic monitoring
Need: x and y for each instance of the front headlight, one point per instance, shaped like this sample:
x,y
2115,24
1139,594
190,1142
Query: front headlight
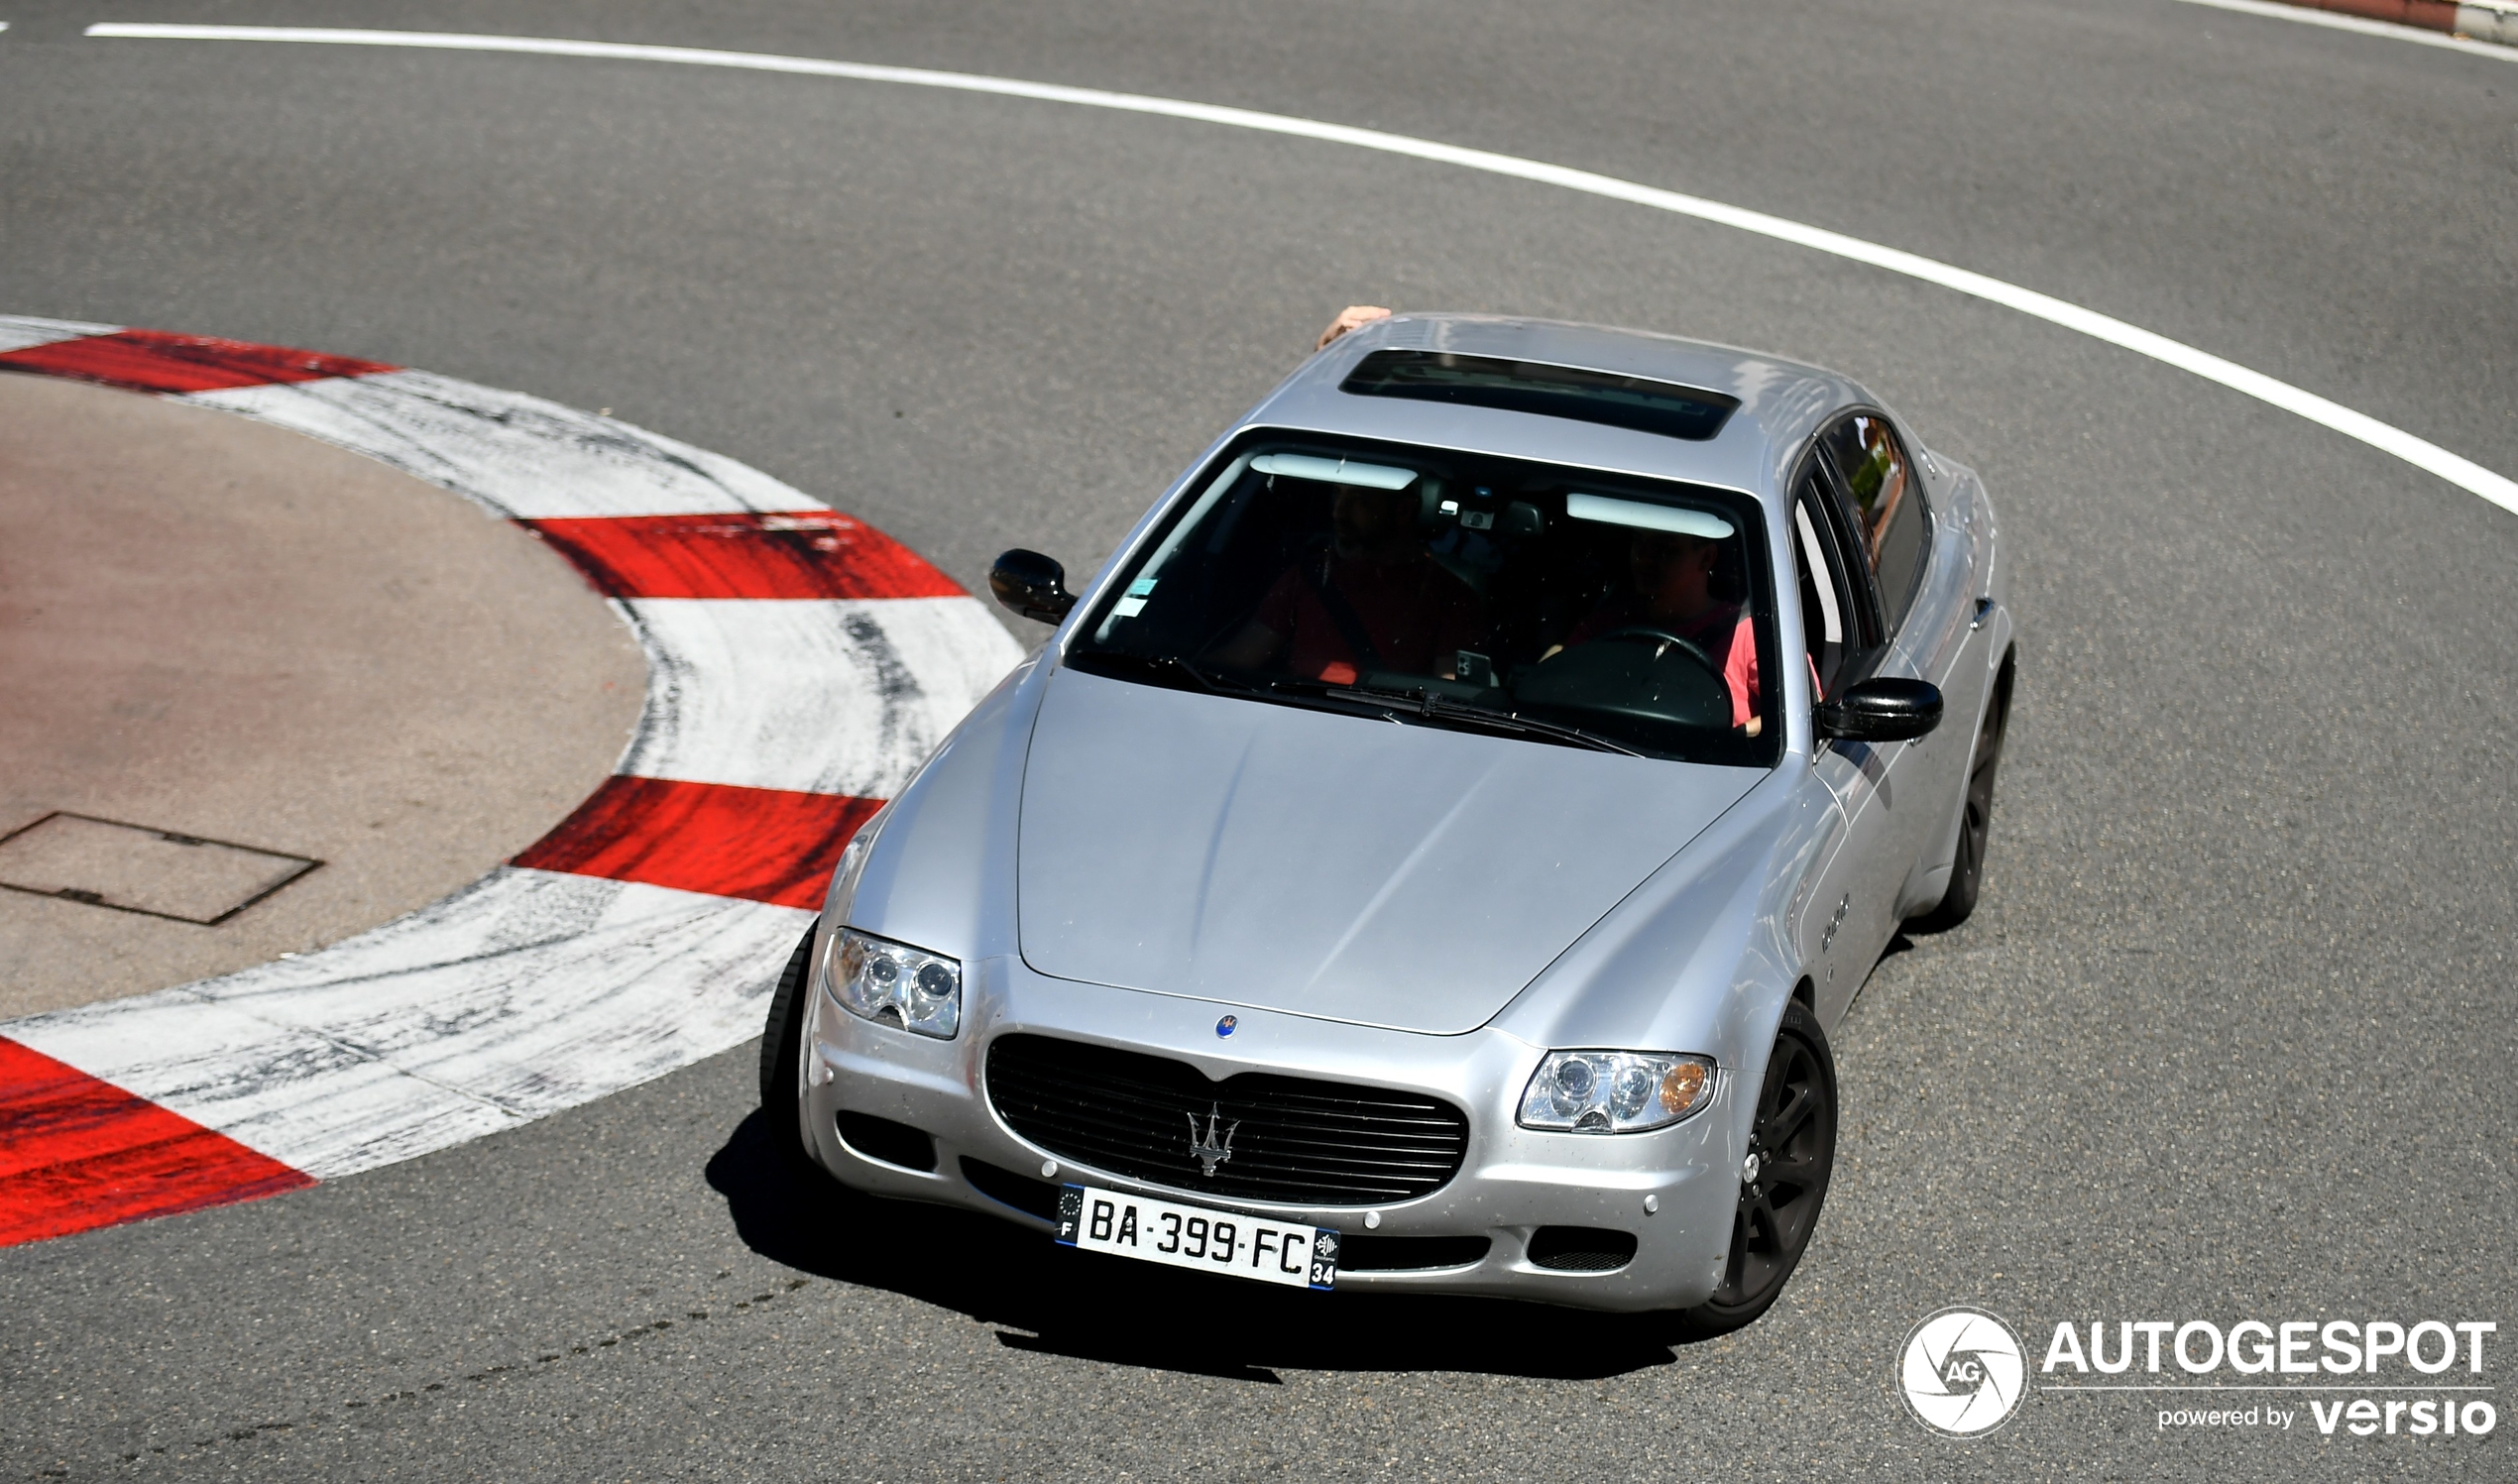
x,y
893,983
1615,1091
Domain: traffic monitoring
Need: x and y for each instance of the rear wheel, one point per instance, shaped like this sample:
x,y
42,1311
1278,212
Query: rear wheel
x,y
1976,824
782,1048
1783,1180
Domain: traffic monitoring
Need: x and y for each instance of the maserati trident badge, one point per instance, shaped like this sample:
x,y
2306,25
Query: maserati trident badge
x,y
1210,1153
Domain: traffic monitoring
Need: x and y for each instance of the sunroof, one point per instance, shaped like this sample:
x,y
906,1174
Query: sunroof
x,y
1629,402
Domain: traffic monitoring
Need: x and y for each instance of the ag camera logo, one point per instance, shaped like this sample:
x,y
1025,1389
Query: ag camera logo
x,y
1963,1372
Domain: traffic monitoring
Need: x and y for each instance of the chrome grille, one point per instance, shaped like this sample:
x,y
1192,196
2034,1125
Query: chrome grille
x,y
1294,1141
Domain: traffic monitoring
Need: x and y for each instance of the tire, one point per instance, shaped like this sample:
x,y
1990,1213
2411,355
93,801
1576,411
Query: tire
x,y
782,1046
1794,1140
1976,824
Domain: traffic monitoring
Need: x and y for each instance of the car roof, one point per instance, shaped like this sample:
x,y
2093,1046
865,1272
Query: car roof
x,y
1780,402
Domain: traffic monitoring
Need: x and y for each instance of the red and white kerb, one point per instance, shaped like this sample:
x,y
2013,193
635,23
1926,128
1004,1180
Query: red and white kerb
x,y
800,665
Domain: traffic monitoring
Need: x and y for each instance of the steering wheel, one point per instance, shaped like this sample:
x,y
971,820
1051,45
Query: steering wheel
x,y
1639,633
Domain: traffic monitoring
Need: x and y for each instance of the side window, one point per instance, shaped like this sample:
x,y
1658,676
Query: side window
x,y
1831,619
1888,507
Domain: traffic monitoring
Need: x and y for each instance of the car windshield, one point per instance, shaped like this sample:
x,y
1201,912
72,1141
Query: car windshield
x,y
1556,605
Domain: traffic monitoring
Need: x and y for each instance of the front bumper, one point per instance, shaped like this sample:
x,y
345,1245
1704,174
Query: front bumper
x,y
1512,1181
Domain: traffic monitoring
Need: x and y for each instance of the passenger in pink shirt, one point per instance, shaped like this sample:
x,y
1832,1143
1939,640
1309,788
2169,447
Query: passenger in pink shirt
x,y
1672,591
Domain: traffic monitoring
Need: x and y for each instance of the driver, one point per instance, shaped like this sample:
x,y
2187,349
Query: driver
x,y
1374,590
1671,590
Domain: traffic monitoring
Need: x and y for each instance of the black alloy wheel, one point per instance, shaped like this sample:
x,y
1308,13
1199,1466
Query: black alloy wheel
x,y
782,1049
1967,871
1783,1180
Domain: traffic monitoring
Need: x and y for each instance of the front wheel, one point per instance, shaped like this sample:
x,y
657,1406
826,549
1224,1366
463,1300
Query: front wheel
x,y
1782,1179
782,1048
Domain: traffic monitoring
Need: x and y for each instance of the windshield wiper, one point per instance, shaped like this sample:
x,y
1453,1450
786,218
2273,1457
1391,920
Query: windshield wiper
x,y
1172,670
1430,705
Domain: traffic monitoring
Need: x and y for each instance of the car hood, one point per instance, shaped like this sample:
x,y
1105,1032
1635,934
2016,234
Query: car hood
x,y
1324,865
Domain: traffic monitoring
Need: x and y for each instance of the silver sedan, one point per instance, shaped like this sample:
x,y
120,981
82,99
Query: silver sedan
x,y
1433,851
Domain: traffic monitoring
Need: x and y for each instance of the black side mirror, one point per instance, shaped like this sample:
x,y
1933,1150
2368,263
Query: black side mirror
x,y
1884,708
1031,585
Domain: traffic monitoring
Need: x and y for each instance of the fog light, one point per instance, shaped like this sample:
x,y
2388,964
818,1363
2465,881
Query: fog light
x,y
1616,1091
893,983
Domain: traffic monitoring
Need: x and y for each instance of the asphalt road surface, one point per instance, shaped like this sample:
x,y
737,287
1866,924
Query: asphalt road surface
x,y
2230,1037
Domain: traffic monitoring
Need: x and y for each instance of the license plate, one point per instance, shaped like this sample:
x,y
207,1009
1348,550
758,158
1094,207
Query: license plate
x,y
1192,1236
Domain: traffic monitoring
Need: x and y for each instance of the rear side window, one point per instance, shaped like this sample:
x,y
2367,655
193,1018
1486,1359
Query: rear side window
x,y
1629,402
1888,507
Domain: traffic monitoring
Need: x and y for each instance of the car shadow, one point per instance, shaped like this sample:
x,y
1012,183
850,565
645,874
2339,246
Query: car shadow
x,y
1056,1300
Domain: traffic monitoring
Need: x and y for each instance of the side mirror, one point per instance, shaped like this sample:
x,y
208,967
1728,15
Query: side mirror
x,y
1884,708
1031,585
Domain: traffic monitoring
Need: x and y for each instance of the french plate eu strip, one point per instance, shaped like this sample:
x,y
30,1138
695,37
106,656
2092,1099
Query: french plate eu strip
x,y
2457,470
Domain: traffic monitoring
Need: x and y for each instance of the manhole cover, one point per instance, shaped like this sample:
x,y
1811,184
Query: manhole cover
x,y
138,870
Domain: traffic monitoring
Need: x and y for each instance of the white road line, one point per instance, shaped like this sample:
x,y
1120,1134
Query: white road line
x,y
2387,29
2457,470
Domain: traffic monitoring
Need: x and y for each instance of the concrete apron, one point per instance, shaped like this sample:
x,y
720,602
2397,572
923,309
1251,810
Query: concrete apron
x,y
221,629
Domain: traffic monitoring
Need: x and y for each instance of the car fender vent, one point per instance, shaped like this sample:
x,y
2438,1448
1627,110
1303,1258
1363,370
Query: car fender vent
x,y
892,1143
1581,1249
